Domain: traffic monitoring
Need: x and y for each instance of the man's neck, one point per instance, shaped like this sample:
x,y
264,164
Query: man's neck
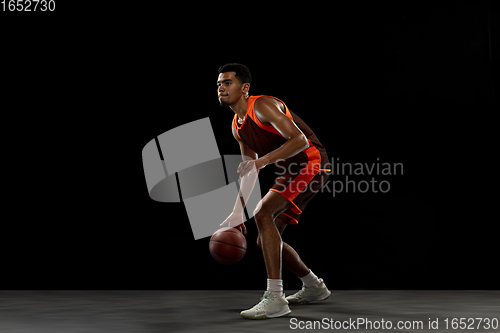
x,y
240,107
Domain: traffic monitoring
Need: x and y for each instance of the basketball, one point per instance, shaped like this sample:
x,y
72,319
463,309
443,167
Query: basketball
x,y
228,246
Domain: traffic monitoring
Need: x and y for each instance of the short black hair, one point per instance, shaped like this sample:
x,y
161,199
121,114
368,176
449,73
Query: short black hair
x,y
242,71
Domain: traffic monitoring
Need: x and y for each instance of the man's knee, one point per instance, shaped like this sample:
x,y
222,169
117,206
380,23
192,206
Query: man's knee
x,y
264,213
259,215
257,210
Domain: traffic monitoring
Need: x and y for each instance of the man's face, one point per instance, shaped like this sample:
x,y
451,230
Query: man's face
x,y
229,88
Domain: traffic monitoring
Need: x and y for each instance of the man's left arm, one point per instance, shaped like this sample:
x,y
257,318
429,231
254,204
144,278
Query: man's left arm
x,y
268,111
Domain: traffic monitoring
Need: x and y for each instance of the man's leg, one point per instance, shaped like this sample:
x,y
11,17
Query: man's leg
x,y
314,289
270,207
273,303
291,260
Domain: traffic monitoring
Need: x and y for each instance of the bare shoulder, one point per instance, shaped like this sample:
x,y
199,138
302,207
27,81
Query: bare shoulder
x,y
266,108
268,102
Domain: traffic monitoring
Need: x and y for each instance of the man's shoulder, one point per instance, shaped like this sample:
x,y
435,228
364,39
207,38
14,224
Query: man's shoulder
x,y
266,100
265,106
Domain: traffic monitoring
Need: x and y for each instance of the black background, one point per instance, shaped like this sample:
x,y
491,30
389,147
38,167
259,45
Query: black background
x,y
410,83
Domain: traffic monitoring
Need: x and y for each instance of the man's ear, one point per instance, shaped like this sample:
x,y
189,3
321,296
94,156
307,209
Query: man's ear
x,y
246,88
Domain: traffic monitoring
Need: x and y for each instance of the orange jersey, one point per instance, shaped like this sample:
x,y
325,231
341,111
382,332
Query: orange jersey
x,y
265,138
301,176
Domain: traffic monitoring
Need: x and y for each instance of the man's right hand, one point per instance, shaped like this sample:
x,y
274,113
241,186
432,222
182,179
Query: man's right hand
x,y
235,220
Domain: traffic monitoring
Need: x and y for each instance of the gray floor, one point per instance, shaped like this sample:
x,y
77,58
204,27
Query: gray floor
x,y
218,311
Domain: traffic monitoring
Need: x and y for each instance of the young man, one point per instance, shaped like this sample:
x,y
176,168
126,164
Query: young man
x,y
269,133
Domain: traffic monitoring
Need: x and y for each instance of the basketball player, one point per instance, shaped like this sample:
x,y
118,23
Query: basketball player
x,y
269,133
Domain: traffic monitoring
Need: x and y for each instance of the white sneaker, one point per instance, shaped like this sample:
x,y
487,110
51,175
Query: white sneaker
x,y
271,305
310,294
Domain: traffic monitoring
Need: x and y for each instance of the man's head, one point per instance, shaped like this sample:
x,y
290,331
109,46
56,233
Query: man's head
x,y
233,82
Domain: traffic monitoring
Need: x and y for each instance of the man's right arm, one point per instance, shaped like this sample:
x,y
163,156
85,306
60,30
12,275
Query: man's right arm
x,y
247,183
246,186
